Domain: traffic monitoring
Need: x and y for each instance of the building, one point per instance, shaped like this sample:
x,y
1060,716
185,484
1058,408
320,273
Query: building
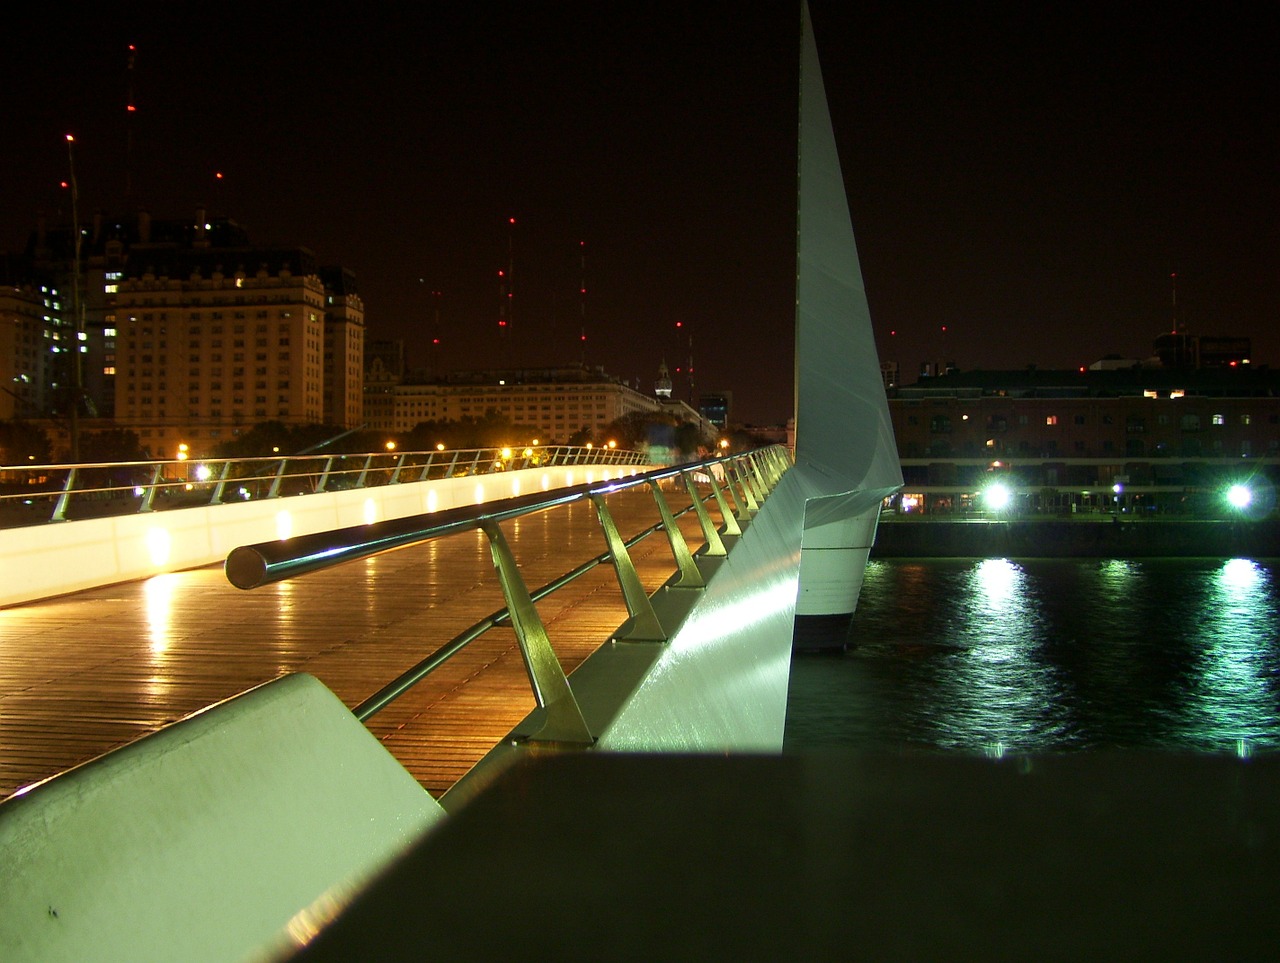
x,y
190,334
553,405
26,342
1073,436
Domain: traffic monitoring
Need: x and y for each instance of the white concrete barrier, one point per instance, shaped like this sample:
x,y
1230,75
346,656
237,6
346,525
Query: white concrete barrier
x,y
46,560
203,840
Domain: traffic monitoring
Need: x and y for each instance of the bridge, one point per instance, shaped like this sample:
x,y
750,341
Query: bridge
x,y
633,801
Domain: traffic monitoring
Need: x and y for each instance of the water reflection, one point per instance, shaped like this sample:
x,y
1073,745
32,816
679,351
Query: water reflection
x,y
998,656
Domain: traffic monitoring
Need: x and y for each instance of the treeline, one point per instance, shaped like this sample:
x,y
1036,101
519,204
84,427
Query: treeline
x,y
23,442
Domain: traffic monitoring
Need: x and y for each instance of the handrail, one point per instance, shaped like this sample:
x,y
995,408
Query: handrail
x,y
118,488
748,478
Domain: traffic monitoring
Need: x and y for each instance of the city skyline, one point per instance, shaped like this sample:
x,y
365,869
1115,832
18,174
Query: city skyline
x,y
1027,180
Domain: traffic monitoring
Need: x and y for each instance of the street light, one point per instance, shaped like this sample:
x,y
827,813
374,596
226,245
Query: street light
x,y
1239,497
997,496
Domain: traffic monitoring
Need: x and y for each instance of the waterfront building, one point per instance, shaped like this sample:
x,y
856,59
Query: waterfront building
x,y
1107,437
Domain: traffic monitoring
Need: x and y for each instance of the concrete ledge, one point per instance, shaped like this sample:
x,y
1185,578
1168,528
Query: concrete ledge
x,y
1124,856
201,841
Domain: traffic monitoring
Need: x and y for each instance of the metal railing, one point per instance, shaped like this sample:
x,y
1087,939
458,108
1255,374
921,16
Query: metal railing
x,y
37,494
747,479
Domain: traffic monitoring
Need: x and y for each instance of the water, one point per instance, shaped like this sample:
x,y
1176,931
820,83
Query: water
x,y
996,656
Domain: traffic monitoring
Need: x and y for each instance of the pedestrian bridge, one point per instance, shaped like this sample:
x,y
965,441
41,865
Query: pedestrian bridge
x,y
633,801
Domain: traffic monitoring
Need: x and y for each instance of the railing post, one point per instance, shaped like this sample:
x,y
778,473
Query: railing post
x,y
453,465
324,474
274,491
426,469
149,496
690,577
395,474
742,493
643,625
60,506
475,462
757,483
731,526
564,722
715,547
221,486
364,471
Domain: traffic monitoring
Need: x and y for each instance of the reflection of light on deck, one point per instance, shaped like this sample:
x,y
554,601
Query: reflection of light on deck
x,y
284,525
515,485
546,482
159,545
370,511
159,601
479,494
432,500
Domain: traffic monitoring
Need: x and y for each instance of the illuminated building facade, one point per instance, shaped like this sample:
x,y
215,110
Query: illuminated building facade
x,y
554,404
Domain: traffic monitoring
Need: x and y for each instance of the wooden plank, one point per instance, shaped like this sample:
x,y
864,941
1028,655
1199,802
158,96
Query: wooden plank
x,y
83,674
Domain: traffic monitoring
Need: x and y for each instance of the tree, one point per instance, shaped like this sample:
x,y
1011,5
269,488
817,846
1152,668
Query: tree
x,y
23,443
111,444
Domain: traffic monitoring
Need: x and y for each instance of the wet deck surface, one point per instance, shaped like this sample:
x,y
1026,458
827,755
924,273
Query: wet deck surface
x,y
82,674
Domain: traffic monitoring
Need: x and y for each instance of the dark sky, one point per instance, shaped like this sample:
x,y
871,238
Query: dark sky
x,y
1028,175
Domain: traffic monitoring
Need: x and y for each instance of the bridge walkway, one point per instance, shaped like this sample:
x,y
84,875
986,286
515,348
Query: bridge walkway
x,y
82,674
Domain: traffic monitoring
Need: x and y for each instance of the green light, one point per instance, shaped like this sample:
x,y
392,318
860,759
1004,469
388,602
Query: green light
x,y
1239,496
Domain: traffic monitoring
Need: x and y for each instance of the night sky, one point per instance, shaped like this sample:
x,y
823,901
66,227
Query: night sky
x,y
1026,175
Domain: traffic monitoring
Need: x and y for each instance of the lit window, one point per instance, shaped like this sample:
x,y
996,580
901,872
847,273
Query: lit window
x,y
1051,419
1219,419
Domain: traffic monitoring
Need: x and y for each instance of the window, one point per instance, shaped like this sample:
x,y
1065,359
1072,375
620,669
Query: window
x,y
938,424
1050,419
1219,419
1190,422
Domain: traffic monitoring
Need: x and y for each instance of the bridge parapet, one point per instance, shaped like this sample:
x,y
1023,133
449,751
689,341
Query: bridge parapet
x,y
54,558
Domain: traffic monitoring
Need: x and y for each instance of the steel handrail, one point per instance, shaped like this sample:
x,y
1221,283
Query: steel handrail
x,y
748,478
252,566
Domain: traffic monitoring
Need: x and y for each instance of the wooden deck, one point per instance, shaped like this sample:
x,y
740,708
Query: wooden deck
x,y
83,674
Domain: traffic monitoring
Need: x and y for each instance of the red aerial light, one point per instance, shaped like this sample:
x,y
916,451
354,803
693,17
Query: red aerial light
x,y
435,340
218,176
131,109
502,324
582,338
63,184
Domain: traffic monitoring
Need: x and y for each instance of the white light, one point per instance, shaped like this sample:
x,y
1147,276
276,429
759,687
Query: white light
x,y
996,496
284,525
159,545
1239,496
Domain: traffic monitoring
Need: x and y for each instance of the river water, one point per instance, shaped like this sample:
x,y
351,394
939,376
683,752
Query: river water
x,y
998,656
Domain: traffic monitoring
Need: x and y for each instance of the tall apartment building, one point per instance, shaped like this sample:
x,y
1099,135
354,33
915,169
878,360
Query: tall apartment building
x,y
192,334
26,348
202,354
